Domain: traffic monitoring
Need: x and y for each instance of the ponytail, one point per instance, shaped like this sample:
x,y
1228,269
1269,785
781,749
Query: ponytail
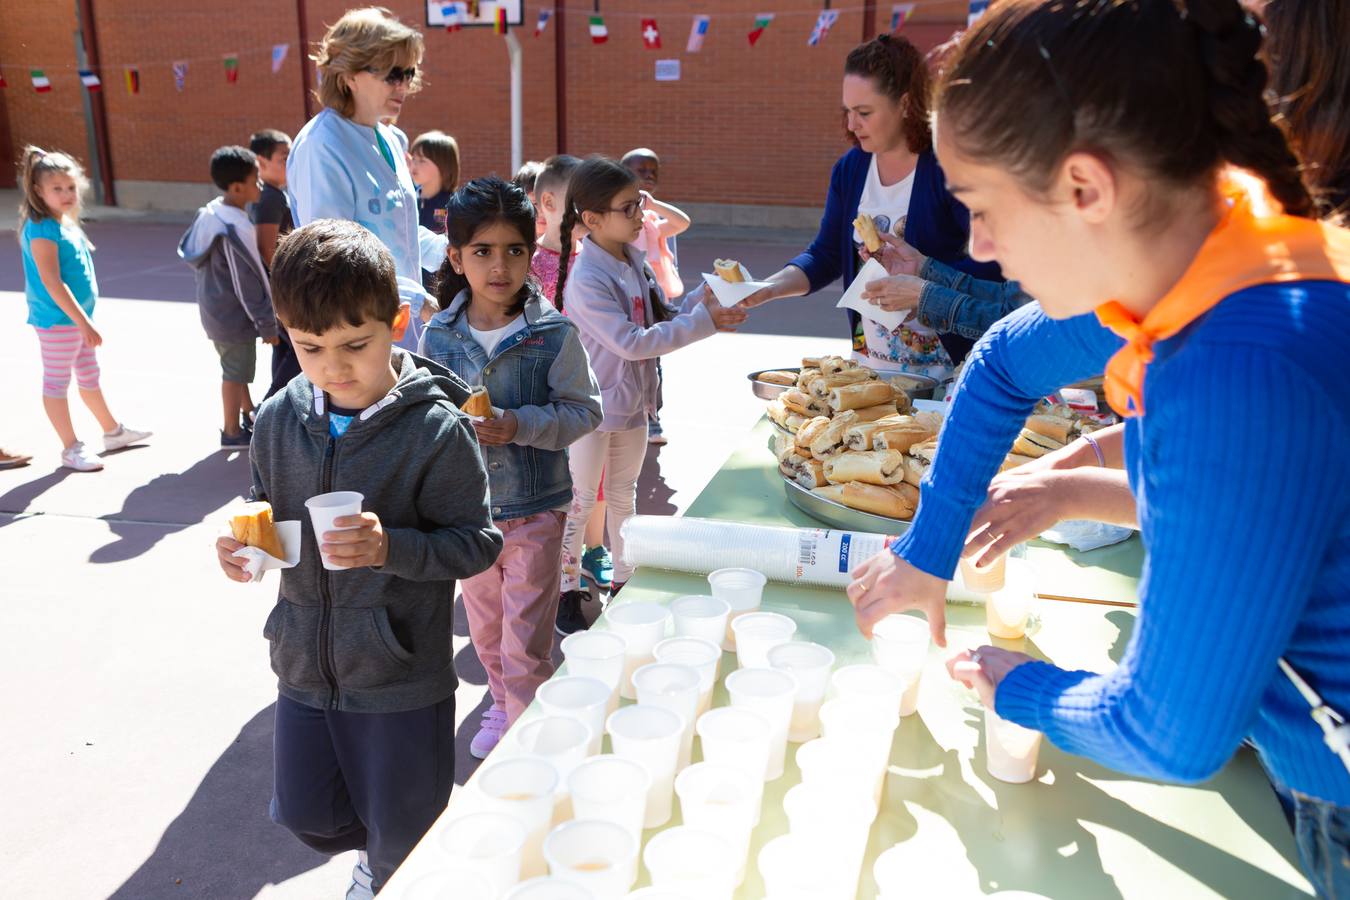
x,y
569,222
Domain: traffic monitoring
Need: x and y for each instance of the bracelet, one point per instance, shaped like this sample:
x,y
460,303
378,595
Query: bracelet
x,y
1096,448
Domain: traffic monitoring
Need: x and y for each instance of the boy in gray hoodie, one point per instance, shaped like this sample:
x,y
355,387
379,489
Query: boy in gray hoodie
x,y
364,745
233,296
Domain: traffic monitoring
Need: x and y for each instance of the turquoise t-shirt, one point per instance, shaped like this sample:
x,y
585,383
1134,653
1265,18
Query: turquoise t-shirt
x,y
77,271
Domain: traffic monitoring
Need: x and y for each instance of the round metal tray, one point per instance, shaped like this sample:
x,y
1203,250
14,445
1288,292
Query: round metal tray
x,y
765,391
839,515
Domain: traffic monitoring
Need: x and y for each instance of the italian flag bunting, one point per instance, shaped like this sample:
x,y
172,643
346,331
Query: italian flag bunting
x,y
40,82
232,68
599,33
761,22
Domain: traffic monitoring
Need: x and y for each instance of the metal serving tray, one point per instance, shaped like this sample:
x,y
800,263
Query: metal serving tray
x,y
838,515
765,391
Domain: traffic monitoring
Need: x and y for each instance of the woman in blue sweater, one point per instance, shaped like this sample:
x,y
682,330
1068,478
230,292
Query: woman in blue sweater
x,y
892,175
1221,328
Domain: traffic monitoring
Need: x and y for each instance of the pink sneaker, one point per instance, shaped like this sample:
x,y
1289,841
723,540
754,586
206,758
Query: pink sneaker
x,y
489,732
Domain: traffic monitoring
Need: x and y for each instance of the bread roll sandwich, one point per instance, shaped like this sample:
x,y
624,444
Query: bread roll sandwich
x,y
829,441
829,365
931,420
1029,443
728,269
794,422
859,437
806,378
808,432
778,412
821,387
919,460
254,526
802,404
857,396
871,466
1057,428
810,362
778,377
478,403
1013,460
873,413
811,474
901,436
867,230
895,501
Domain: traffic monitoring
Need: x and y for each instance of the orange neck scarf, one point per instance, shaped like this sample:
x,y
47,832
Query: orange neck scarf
x,y
1242,251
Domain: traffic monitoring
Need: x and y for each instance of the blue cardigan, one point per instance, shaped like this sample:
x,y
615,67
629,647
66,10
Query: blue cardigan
x,y
1238,469
937,226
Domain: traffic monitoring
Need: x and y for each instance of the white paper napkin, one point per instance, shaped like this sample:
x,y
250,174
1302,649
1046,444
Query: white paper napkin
x,y
258,561
729,293
852,299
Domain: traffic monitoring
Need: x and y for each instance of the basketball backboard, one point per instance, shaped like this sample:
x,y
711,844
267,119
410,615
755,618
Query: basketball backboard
x,y
440,12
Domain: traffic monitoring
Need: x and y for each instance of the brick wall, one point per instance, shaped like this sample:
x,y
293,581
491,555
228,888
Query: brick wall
x,y
743,125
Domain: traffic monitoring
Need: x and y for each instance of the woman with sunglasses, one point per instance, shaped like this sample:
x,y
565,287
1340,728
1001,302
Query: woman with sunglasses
x,y
347,164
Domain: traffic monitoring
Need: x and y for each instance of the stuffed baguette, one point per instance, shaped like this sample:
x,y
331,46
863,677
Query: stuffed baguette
x,y
857,396
871,466
821,387
829,441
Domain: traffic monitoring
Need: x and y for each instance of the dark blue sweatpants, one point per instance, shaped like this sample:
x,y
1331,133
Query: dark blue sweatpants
x,y
362,781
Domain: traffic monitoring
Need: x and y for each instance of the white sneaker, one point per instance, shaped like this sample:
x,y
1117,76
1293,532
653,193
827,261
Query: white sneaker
x,y
363,879
123,437
78,457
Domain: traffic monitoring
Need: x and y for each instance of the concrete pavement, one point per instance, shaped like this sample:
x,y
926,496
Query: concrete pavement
x,y
138,697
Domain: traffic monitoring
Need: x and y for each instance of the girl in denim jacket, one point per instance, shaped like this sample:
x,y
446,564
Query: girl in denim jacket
x,y
496,329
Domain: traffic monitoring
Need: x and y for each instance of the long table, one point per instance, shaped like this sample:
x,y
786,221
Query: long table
x,y
1078,831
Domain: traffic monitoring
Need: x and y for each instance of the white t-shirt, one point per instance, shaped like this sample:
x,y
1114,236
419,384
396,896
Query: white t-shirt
x,y
489,340
913,347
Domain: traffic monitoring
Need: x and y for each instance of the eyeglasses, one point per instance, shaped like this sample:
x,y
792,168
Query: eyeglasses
x,y
397,74
632,209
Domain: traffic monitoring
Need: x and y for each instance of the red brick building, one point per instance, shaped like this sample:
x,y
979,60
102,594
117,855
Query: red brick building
x,y
747,134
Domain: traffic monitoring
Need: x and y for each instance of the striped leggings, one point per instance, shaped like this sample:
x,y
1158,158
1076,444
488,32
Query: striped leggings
x,y
63,349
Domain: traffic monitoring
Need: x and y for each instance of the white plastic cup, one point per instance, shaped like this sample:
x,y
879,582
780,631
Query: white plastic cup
x,y
642,625
794,869
324,508
737,737
810,664
1007,609
597,654
697,862
488,843
743,590
562,740
522,787
869,683
984,579
700,615
548,888
757,633
651,736
675,688
862,724
457,883
577,697
836,822
599,856
723,800
611,789
842,766
701,655
1011,751
769,692
900,645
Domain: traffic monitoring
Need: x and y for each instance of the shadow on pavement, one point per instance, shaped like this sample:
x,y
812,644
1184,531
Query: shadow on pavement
x,y
653,494
176,500
17,500
223,844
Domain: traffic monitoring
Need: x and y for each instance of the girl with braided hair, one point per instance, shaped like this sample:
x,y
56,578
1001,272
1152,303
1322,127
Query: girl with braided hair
x,y
1220,316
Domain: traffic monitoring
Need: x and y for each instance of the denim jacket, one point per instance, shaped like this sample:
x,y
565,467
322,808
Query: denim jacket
x,y
955,301
542,376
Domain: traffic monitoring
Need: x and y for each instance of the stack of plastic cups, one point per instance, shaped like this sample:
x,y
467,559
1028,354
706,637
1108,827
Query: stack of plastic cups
x,y
862,724
577,697
759,632
900,646
701,655
675,688
722,800
561,740
488,843
810,664
740,738
611,789
836,824
792,869
650,735
700,615
522,787
769,692
599,856
842,766
597,654
1011,751
697,862
743,590
642,626
544,888
457,883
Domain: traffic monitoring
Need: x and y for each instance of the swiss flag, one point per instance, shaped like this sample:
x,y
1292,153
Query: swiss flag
x,y
651,35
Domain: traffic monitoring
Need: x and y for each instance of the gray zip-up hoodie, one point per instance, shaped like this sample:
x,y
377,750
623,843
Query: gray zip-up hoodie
x,y
234,296
376,640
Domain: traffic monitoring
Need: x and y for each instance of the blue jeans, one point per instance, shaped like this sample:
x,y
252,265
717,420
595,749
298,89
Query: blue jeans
x,y
1323,833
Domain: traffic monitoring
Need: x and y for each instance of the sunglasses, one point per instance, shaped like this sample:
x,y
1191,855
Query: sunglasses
x,y
397,75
